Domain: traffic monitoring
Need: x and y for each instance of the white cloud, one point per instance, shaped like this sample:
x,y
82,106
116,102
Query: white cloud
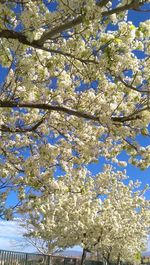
x,y
11,237
10,229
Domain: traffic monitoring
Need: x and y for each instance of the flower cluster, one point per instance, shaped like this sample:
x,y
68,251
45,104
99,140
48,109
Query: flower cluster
x,y
99,213
72,91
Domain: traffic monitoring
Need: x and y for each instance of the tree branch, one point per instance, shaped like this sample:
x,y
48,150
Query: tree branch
x,y
132,87
60,28
134,5
9,34
71,112
76,21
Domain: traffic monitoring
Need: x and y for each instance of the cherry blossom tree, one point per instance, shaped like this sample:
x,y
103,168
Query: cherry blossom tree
x,y
99,213
73,89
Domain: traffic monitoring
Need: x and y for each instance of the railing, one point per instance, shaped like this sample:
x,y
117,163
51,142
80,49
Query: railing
x,y
20,258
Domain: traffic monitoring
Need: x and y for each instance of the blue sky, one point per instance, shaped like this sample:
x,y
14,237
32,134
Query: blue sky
x,y
10,231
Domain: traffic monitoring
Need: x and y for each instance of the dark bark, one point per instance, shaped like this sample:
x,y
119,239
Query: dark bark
x,y
83,256
80,114
118,259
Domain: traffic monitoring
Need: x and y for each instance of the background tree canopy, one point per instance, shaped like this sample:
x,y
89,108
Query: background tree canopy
x,y
74,87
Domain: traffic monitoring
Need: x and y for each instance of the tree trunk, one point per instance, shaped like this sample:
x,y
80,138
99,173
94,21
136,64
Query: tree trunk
x,y
83,256
118,259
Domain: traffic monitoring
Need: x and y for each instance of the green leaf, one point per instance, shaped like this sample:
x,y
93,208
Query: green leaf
x,y
117,40
132,27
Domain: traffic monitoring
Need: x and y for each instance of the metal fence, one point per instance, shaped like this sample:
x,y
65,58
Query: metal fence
x,y
20,258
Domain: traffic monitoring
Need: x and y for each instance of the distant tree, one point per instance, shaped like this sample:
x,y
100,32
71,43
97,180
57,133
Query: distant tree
x,y
99,213
39,245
